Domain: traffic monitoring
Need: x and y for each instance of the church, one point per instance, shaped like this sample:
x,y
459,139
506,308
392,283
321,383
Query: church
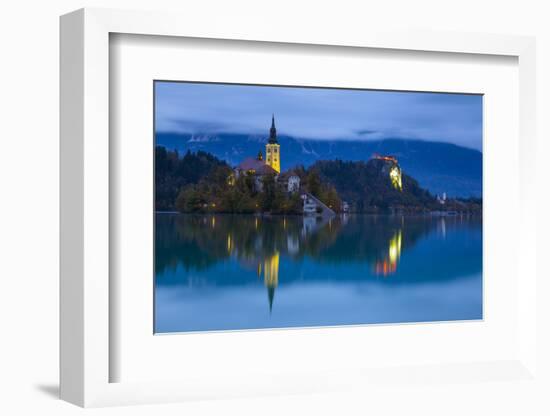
x,y
258,167
273,148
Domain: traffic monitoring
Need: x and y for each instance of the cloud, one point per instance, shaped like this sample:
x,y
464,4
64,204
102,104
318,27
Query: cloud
x,y
366,132
319,113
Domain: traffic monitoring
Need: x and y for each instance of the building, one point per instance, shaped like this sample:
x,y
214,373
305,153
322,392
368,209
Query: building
x,y
273,149
313,206
290,181
293,183
310,206
257,168
390,166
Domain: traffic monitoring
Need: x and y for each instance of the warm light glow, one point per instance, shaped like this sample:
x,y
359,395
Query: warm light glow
x,y
271,270
272,160
394,251
271,276
386,158
389,264
395,177
229,243
231,180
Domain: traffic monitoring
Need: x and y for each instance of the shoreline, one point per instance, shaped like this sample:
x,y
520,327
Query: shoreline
x,y
434,214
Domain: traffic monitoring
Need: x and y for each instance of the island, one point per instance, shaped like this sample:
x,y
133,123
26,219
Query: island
x,y
199,182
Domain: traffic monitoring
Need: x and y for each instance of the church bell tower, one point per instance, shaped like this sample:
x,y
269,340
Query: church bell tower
x,y
273,149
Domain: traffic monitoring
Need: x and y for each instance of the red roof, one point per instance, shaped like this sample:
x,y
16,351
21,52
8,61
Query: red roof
x,y
258,166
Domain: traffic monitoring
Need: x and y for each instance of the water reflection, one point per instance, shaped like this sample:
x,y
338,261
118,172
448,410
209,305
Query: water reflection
x,y
203,256
271,276
213,238
388,265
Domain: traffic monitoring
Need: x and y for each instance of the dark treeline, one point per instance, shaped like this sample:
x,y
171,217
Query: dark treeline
x,y
201,183
172,173
366,186
221,192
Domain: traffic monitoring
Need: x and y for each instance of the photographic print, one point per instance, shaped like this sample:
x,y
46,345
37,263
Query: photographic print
x,y
288,206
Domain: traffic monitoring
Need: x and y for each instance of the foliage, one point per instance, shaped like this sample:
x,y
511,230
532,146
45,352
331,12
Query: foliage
x,y
202,183
367,187
173,172
323,190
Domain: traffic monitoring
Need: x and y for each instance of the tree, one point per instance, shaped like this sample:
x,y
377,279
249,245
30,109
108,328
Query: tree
x,y
233,200
332,199
366,186
267,197
313,182
190,199
173,173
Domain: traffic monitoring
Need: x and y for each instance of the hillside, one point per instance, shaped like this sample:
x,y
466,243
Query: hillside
x,y
199,180
366,186
438,167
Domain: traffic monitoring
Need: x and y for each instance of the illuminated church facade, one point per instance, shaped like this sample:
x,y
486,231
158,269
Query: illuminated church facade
x,y
273,148
258,167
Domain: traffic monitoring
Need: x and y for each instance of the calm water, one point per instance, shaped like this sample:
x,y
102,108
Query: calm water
x,y
222,272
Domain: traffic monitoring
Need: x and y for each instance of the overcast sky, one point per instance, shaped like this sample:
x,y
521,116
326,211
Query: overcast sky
x,y
318,113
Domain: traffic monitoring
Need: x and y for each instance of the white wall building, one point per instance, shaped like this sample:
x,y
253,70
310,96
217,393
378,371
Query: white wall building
x,y
293,183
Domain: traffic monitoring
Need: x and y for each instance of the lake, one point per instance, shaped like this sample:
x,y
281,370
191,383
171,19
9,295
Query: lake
x,y
228,272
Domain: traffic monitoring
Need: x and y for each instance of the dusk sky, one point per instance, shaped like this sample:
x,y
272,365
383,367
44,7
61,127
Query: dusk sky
x,y
319,113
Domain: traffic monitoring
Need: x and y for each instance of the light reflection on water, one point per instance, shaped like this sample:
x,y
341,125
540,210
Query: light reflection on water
x,y
241,272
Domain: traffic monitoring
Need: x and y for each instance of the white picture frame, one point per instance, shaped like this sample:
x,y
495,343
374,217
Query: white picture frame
x,y
86,356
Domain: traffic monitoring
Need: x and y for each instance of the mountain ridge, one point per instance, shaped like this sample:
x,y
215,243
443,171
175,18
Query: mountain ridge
x,y
438,166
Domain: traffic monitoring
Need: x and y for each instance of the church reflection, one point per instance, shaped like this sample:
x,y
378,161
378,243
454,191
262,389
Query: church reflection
x,y
270,272
269,246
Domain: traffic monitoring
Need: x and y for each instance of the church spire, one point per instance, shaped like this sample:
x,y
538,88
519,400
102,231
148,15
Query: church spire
x,y
272,131
272,148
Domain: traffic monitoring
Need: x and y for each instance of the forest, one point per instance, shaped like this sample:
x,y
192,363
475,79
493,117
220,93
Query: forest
x,y
200,182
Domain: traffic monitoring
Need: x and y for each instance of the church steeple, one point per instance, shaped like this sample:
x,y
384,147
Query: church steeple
x,y
273,131
272,148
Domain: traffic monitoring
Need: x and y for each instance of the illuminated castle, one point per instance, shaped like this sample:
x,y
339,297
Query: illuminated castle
x,y
391,167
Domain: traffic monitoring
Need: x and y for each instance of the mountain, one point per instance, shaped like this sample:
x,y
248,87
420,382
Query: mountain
x,y
438,167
